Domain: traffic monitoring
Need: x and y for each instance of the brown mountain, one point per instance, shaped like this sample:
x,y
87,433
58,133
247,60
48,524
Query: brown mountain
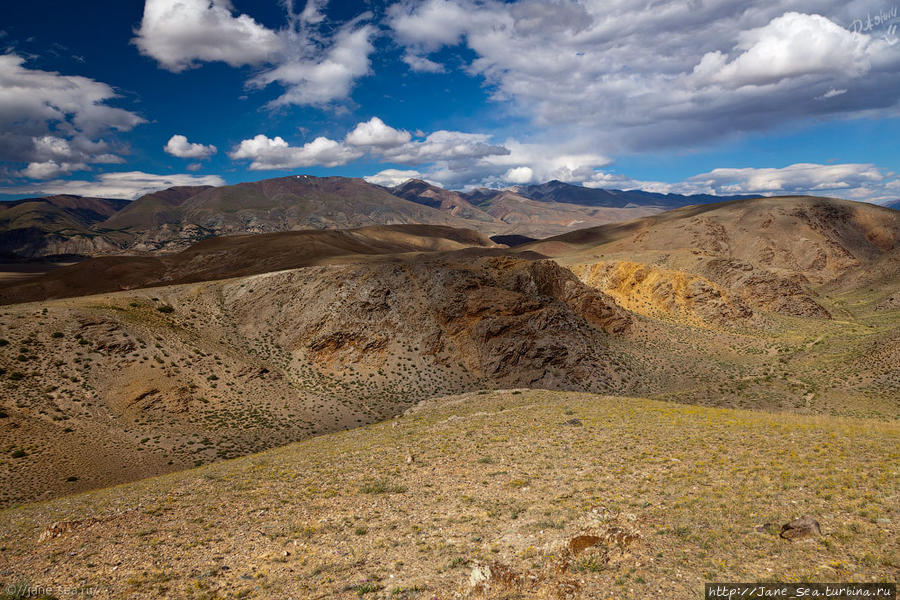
x,y
769,252
54,225
251,341
239,255
567,193
171,220
174,219
424,193
506,213
110,388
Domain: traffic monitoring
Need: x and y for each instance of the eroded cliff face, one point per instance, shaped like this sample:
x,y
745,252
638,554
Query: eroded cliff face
x,y
34,243
656,292
499,319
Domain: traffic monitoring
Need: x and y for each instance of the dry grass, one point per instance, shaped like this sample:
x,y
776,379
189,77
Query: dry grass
x,y
407,507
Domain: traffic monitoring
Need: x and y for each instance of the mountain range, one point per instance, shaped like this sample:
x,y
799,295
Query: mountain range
x,y
399,392
171,220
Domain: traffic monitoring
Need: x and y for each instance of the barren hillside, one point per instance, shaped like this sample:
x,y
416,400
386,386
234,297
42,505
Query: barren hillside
x,y
514,494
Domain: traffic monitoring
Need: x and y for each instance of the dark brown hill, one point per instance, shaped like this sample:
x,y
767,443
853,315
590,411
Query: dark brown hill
x,y
238,255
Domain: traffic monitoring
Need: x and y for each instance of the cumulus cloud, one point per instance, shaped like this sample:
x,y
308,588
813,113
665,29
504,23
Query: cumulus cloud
x,y
314,64
792,45
317,71
854,181
45,115
620,76
796,178
393,177
446,146
519,175
375,133
128,185
181,33
422,64
275,153
50,168
178,145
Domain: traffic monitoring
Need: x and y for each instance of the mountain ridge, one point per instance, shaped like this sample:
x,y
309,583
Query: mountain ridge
x,y
172,219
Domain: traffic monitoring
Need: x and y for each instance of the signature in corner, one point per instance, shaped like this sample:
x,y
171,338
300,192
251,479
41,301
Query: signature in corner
x,y
884,20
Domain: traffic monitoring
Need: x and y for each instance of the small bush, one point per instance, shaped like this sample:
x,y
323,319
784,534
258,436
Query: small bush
x,y
4,342
19,454
165,308
71,479
56,334
367,588
16,375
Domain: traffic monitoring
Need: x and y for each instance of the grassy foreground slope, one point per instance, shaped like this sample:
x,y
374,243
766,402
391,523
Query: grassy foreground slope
x,y
409,508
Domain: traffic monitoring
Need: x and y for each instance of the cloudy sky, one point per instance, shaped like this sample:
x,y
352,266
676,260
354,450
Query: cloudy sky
x,y
118,98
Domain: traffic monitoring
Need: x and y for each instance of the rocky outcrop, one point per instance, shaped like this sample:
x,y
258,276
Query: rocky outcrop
x,y
506,320
767,290
656,291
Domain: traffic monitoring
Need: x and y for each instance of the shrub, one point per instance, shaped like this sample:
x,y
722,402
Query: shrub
x,y
56,334
71,479
17,375
4,342
19,454
165,308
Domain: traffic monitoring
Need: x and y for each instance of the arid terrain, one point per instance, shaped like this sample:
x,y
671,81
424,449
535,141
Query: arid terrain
x,y
621,410
171,220
514,494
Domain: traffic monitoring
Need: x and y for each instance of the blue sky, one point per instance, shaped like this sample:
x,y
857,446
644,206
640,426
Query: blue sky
x,y
716,96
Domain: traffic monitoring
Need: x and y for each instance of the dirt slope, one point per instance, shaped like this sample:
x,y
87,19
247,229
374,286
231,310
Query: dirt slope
x,y
54,225
236,255
526,494
769,252
112,388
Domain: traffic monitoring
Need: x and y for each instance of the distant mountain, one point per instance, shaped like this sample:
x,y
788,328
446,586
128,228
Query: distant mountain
x,y
54,225
566,193
421,192
173,219
895,204
513,214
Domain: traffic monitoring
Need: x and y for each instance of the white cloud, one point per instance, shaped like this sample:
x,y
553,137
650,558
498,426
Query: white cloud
x,y
422,64
275,153
393,177
315,72
50,168
792,45
375,133
832,93
623,76
445,145
129,185
179,33
796,178
178,145
314,65
854,181
45,115
519,175
429,25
